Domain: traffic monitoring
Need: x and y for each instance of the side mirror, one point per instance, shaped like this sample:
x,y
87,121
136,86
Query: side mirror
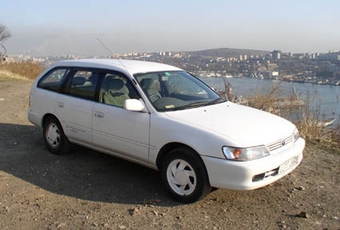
x,y
134,105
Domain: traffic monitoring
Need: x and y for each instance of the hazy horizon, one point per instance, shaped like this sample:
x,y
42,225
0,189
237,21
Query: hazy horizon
x,y
43,28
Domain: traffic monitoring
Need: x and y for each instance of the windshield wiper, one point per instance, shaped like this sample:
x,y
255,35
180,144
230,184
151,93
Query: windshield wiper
x,y
200,103
216,101
192,105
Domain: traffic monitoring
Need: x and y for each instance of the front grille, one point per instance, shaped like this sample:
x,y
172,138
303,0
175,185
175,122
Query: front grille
x,y
281,143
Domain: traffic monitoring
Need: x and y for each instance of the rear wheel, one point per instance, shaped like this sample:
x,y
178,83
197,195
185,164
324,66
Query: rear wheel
x,y
184,175
54,137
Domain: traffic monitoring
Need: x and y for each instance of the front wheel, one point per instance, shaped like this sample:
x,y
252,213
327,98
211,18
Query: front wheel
x,y
184,175
54,137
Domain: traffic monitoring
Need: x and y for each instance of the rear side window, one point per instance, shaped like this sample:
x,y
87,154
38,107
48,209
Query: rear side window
x,y
83,84
53,80
93,84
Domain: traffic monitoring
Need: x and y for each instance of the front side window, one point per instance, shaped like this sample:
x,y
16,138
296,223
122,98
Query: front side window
x,y
54,79
176,90
115,89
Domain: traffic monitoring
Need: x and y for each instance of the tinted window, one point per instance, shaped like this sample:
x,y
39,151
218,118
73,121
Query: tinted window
x,y
54,79
83,84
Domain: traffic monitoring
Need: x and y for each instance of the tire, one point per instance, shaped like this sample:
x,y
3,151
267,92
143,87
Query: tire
x,y
184,175
54,137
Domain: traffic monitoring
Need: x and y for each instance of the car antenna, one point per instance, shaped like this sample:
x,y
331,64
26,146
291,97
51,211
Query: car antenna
x,y
105,47
112,54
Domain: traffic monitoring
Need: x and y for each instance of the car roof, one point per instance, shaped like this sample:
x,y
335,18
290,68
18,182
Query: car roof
x,y
128,66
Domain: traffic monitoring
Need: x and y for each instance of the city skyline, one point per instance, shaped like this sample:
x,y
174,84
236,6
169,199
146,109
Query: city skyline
x,y
43,28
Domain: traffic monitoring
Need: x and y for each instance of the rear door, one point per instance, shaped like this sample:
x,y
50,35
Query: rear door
x,y
75,104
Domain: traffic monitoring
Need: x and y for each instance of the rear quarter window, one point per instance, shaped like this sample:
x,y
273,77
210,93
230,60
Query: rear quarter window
x,y
54,79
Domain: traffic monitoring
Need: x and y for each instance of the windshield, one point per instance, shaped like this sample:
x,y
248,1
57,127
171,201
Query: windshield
x,y
176,90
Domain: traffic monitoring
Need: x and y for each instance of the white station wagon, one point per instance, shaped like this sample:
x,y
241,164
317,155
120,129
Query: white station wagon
x,y
164,118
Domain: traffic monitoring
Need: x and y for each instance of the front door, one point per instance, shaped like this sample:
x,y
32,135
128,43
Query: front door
x,y
116,129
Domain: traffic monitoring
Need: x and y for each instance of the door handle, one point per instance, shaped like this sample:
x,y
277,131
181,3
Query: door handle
x,y
60,104
99,115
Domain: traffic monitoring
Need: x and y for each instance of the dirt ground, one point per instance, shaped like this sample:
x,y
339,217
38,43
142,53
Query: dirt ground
x,y
89,190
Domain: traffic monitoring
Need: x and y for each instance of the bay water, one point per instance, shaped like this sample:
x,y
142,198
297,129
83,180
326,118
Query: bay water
x,y
324,99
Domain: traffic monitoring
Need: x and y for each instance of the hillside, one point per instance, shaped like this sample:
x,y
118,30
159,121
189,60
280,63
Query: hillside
x,y
20,70
228,52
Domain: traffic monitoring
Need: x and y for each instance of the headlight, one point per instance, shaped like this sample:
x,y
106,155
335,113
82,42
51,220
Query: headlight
x,y
296,135
245,154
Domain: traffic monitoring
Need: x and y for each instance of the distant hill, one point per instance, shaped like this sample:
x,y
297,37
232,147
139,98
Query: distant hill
x,y
228,52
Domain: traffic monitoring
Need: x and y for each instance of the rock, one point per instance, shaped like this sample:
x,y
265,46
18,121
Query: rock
x,y
61,225
134,211
155,213
303,215
301,188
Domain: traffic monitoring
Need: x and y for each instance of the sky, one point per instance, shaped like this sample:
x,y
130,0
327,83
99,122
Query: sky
x,y
80,27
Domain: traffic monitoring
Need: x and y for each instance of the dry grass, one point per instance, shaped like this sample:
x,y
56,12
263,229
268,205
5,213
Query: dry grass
x,y
304,113
20,70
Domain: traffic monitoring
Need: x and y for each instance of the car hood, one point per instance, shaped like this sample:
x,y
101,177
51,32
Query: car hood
x,y
239,124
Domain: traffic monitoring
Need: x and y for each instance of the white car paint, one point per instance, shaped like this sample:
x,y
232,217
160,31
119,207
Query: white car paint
x,y
242,126
140,135
128,136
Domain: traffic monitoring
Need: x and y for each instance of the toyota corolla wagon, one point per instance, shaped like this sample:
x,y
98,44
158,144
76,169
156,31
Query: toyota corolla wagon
x,y
164,118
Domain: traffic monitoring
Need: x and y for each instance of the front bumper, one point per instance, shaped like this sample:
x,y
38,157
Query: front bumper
x,y
249,175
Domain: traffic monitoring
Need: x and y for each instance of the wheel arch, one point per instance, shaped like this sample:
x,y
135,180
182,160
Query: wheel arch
x,y
46,116
171,146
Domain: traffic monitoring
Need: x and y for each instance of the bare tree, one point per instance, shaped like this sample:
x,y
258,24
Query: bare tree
x,y
4,35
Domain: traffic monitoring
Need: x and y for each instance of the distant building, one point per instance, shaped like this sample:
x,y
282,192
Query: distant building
x,y
299,55
271,66
329,57
275,74
276,54
313,56
332,68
